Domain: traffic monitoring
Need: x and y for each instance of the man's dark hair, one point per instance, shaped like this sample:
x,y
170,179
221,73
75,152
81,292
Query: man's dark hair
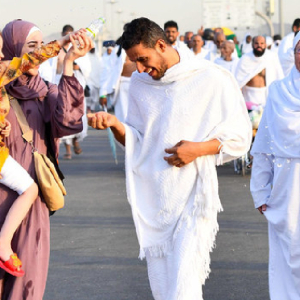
x,y
67,28
277,37
143,31
296,23
208,34
170,24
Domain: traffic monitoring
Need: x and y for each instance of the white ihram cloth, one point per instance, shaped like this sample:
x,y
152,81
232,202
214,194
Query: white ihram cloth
x,y
200,55
283,53
183,48
228,65
120,100
249,66
170,204
287,58
255,95
275,182
90,66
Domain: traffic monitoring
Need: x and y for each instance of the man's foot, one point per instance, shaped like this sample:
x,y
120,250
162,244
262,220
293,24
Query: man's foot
x,y
68,156
76,146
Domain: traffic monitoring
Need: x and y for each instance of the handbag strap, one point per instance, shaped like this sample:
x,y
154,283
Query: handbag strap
x,y
26,130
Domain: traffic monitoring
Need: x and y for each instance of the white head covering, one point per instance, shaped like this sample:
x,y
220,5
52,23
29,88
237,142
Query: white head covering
x,y
246,47
296,40
269,41
32,30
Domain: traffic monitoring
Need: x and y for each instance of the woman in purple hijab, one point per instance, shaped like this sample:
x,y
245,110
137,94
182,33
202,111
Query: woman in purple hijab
x,y
52,112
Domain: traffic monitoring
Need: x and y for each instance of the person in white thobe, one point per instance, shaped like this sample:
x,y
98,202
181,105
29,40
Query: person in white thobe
x,y
246,45
275,181
285,52
179,127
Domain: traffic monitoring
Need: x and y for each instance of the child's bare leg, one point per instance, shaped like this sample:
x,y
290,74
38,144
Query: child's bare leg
x,y
15,216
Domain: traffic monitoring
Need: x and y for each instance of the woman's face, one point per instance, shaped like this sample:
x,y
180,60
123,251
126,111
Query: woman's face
x,y
297,56
1,46
33,41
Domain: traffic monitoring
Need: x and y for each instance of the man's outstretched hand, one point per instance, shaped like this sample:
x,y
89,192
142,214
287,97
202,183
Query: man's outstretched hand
x,y
101,120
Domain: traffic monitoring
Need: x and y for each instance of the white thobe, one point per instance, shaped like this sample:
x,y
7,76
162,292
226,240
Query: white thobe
x,y
275,182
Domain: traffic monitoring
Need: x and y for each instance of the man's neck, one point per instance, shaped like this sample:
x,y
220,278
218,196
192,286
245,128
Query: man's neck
x,y
196,51
228,58
173,57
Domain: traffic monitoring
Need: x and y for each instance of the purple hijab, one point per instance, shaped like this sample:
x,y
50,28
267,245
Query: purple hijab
x,y
25,87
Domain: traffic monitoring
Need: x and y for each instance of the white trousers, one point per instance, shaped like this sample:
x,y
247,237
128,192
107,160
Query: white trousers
x,y
175,276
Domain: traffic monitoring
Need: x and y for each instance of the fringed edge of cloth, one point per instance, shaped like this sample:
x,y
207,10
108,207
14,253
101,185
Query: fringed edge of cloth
x,y
204,211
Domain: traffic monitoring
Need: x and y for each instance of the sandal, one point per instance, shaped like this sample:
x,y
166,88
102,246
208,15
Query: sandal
x,y
68,156
13,266
77,150
76,146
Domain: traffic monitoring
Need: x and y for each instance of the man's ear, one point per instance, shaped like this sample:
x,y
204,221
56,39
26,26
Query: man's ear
x,y
161,45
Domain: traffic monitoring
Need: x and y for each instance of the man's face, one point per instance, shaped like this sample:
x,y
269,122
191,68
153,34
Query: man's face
x,y
149,60
297,56
197,42
171,34
188,36
226,50
219,40
248,39
259,46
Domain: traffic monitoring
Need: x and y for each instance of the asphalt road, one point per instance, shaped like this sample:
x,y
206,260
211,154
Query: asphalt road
x,y
94,250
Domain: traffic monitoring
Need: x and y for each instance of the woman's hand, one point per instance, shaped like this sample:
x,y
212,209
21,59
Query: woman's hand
x,y
65,40
81,45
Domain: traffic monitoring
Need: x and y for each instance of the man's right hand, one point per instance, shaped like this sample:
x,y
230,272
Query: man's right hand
x,y
262,208
101,120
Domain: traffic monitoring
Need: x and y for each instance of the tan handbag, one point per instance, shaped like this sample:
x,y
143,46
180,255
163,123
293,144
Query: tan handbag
x,y
49,181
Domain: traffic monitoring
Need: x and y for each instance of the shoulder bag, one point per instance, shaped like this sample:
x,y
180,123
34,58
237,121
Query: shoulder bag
x,y
49,181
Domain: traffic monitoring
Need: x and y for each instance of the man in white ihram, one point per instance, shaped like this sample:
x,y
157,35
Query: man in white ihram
x,y
178,128
275,181
256,70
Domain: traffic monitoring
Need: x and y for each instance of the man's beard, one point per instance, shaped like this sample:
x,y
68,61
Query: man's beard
x,y
160,73
171,40
259,53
